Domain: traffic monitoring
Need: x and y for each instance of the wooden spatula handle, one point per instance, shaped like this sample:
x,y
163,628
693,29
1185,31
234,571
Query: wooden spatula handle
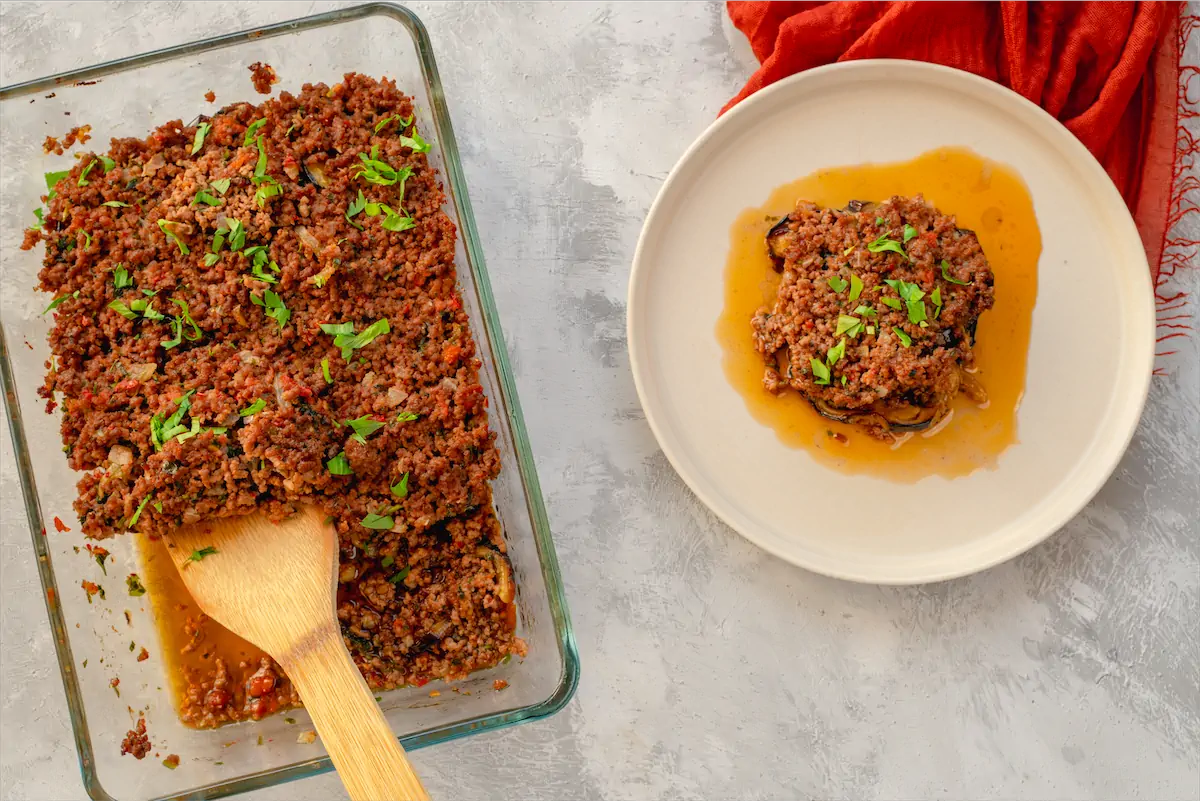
x,y
367,755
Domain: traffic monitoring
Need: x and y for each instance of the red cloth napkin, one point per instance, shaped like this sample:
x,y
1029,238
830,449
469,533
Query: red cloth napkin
x,y
1107,70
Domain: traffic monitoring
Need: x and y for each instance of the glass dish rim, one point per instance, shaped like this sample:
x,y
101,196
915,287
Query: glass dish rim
x,y
492,333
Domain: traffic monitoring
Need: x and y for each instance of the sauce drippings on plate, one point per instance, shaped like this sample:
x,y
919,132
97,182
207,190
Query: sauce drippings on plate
x,y
986,197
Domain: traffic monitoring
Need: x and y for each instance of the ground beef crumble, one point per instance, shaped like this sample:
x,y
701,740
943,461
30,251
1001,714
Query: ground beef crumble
x,y
263,76
136,742
159,322
80,134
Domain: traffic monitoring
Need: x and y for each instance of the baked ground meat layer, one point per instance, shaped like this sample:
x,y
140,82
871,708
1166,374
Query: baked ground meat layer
x,y
196,379
844,337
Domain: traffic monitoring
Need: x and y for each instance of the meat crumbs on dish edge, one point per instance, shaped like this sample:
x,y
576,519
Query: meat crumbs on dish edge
x,y
875,315
260,311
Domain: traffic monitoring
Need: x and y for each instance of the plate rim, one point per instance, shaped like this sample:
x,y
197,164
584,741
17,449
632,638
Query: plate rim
x,y
894,573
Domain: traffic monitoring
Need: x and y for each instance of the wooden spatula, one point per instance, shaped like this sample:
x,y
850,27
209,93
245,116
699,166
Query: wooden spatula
x,y
273,584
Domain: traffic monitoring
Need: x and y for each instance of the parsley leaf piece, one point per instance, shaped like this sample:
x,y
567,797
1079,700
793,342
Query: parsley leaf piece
x,y
41,222
836,283
270,188
363,427
162,431
123,310
340,465
379,126
856,286
377,522
936,297
871,330
406,417
834,354
415,141
52,179
909,293
401,576
345,338
848,251
251,130
260,167
196,556
375,171
916,311
121,277
253,408
116,204
210,259
820,372
108,164
325,371
201,131
400,488
394,222
356,206
879,221
221,185
909,232
893,302
865,311
387,561
134,586
177,326
186,316
205,197
337,328
137,514
54,304
274,307
883,243
83,181
167,227
905,339
848,325
946,274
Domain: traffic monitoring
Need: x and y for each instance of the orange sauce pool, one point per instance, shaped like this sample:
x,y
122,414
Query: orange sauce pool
x,y
986,197
173,605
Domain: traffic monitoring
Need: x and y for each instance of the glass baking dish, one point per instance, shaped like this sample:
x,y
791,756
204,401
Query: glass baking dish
x,y
99,641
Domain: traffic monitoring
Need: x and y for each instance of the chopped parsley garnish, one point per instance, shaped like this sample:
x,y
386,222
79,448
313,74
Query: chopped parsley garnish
x,y
936,297
83,181
274,307
864,310
820,372
400,488
387,561
946,274
201,131
883,243
905,339
879,221
340,465
850,326
856,286
142,306
123,310
133,584
116,204
157,506
205,197
363,427
259,260
404,122
108,164
356,206
871,330
325,371
210,259
237,234
345,338
54,304
252,130
909,232
41,221
375,171
87,240
52,178
196,556
168,228
834,354
401,576
893,302
848,251
221,185
836,283
162,431
415,141
394,222
253,408
137,514
268,189
406,417
377,522
911,294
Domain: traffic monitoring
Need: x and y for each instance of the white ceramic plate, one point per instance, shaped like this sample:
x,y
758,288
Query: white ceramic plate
x,y
1090,355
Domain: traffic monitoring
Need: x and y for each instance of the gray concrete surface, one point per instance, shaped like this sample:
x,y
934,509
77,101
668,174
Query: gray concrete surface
x,y
710,669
